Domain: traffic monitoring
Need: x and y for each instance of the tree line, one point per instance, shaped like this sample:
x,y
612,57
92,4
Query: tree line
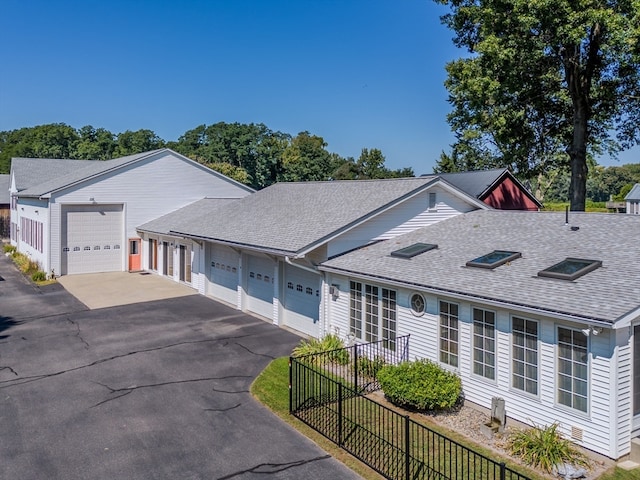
x,y
251,153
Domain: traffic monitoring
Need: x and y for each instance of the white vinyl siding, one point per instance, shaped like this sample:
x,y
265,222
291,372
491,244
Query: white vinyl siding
x,y
606,427
404,218
148,189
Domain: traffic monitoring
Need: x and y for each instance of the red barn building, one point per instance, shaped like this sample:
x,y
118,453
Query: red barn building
x,y
497,188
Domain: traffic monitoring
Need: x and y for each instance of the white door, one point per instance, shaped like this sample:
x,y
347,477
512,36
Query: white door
x,y
92,238
301,300
260,285
223,274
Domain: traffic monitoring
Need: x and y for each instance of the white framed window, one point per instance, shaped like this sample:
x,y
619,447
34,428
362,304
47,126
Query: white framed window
x,y
355,308
449,333
484,343
373,314
573,369
524,355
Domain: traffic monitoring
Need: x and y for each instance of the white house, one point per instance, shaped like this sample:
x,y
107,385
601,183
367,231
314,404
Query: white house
x,y
633,200
261,253
80,216
521,305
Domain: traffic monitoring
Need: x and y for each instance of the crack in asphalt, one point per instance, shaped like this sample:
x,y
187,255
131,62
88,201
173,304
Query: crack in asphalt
x,y
254,353
127,390
217,390
222,409
272,468
78,333
34,378
4,367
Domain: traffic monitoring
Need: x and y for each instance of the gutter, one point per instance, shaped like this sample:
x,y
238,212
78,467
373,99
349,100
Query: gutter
x,y
315,270
244,246
490,301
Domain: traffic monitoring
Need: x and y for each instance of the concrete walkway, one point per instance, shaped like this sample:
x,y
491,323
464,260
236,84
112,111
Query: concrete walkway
x,y
103,290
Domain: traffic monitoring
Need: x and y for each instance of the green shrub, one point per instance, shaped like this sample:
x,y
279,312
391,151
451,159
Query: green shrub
x,y
9,249
420,385
544,447
39,276
330,344
368,367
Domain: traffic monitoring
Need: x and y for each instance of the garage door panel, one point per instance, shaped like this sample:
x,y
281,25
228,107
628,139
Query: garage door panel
x,y
260,285
301,300
223,274
92,238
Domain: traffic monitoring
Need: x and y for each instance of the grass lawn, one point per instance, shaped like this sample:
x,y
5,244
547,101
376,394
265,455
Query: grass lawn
x,y
598,207
272,389
620,474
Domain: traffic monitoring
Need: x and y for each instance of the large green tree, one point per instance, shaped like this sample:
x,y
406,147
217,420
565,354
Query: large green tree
x,y
547,84
254,148
306,159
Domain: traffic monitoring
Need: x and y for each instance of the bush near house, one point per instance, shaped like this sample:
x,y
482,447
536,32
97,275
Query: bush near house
x,y
331,346
26,265
420,385
39,276
544,448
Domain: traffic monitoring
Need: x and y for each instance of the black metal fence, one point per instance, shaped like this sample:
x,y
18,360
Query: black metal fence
x,y
327,396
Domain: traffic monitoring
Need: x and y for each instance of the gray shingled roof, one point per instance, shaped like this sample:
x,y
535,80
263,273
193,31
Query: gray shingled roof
x,y
606,294
185,217
39,177
34,171
291,217
474,183
5,183
634,194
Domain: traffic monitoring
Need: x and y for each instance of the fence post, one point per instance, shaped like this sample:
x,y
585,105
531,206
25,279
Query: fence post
x,y
290,385
355,367
503,471
407,448
340,414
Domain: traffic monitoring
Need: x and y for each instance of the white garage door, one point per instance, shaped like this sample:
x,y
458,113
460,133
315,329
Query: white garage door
x,y
301,300
92,238
223,274
260,285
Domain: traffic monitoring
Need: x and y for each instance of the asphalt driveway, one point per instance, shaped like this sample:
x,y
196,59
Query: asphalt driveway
x,y
154,390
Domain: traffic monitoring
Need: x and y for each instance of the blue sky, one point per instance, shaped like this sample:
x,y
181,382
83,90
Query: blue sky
x,y
359,73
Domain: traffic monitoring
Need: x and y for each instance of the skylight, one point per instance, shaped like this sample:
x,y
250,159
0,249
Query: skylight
x,y
413,250
570,268
494,259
